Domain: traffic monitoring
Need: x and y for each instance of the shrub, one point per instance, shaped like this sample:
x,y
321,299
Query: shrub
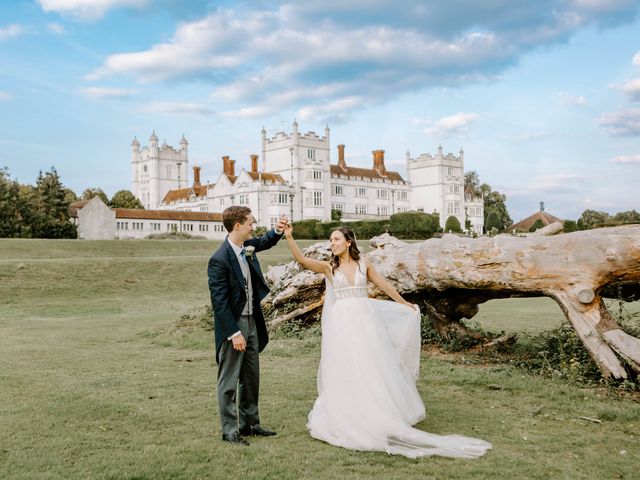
x,y
569,226
536,225
492,221
305,229
418,225
452,225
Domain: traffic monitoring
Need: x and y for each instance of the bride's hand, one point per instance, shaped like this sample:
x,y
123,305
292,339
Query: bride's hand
x,y
413,306
288,229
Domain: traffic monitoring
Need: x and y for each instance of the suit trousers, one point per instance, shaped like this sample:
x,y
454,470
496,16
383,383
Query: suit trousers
x,y
239,380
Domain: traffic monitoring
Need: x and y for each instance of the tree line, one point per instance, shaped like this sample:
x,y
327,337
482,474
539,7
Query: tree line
x,y
42,210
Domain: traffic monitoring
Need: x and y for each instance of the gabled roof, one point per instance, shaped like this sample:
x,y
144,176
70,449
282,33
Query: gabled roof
x,y
182,194
75,206
527,223
266,177
365,172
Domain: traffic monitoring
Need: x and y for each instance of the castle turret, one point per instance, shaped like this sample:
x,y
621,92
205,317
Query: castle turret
x,y
295,128
183,143
153,140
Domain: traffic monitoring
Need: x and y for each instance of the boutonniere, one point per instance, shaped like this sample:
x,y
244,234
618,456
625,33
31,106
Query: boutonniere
x,y
248,251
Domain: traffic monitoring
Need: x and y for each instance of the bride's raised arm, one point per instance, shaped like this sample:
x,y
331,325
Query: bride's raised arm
x,y
379,281
309,263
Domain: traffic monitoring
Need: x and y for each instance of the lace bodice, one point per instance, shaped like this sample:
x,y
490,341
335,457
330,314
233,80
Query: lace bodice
x,y
343,289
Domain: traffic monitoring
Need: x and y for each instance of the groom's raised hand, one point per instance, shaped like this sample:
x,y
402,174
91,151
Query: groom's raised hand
x,y
283,221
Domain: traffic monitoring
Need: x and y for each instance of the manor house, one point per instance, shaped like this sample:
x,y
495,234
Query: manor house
x,y
296,178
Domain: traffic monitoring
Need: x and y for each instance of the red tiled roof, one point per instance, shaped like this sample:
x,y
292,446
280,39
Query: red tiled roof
x,y
183,193
267,177
75,206
138,213
527,223
365,172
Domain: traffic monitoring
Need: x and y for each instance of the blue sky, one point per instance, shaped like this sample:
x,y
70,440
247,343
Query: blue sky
x,y
544,97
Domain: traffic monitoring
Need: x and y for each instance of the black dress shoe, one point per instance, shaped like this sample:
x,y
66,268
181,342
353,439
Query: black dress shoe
x,y
234,438
256,431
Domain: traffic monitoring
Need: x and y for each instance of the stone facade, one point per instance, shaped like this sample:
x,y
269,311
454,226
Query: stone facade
x,y
437,186
297,179
157,169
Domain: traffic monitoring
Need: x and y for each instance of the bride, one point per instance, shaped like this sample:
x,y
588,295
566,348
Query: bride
x,y
370,354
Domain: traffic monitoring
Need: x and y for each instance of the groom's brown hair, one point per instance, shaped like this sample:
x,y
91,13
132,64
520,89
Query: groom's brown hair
x,y
234,214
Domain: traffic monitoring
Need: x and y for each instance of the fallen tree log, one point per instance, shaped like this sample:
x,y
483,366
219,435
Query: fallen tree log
x,y
450,276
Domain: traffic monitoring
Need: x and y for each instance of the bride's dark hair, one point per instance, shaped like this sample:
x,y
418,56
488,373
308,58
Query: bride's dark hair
x,y
354,251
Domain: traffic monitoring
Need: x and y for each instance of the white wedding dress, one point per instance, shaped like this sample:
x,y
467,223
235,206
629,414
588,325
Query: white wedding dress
x,y
367,396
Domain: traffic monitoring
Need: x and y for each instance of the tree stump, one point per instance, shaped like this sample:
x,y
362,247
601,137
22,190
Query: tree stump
x,y
450,276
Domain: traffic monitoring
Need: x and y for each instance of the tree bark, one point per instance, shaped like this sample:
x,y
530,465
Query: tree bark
x,y
452,275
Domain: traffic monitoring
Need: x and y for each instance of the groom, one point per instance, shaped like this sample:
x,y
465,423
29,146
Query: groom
x,y
237,286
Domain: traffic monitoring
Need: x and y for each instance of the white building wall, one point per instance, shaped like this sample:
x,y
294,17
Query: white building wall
x,y
137,229
303,160
96,221
437,185
158,169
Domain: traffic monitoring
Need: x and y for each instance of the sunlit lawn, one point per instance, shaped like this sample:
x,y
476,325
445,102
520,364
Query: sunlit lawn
x,y
99,379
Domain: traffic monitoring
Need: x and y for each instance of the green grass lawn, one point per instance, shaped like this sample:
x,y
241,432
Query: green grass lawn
x,y
99,378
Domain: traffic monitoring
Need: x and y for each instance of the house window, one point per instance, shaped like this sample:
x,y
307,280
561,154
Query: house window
x,y
203,208
361,209
383,193
450,171
221,202
311,154
361,192
402,195
244,199
317,199
338,190
449,208
383,210
337,206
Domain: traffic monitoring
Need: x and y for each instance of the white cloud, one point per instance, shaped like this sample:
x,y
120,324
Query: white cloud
x,y
452,125
621,123
11,31
56,28
626,159
105,92
569,100
368,49
178,108
4,96
636,59
632,89
87,10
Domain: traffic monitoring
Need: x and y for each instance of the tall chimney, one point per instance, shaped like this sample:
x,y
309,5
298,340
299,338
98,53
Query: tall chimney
x,y
341,163
225,164
254,163
196,176
232,168
378,162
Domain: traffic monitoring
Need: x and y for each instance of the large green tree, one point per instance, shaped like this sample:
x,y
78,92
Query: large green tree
x,y
49,208
10,217
630,216
125,199
90,192
494,201
591,219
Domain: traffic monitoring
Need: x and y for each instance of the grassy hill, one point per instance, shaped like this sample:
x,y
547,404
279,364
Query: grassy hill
x,y
103,375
